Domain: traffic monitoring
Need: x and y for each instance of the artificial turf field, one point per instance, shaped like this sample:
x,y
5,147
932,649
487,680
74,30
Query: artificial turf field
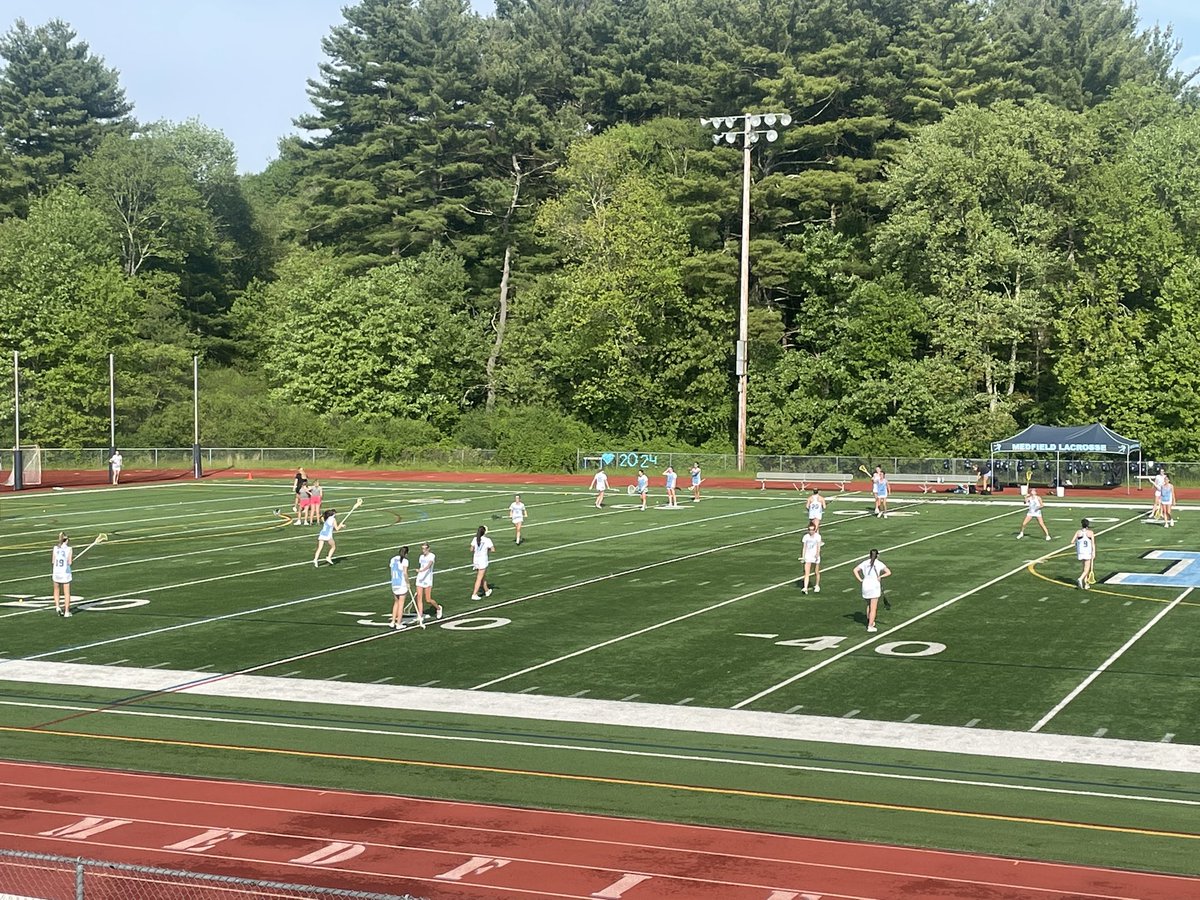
x,y
697,607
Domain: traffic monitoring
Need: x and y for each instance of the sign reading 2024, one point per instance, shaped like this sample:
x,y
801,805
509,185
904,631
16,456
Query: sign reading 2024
x,y
628,459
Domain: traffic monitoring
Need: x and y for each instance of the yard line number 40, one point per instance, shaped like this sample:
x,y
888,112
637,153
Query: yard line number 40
x,y
833,641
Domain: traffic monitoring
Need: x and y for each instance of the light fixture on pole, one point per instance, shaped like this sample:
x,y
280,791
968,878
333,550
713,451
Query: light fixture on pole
x,y
750,130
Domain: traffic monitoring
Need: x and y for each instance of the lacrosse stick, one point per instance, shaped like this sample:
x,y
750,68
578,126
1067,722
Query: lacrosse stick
x,y
100,539
357,504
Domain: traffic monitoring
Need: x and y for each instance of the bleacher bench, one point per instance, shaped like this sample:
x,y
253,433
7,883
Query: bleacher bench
x,y
801,480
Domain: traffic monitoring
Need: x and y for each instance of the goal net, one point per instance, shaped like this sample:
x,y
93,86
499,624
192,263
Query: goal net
x,y
31,467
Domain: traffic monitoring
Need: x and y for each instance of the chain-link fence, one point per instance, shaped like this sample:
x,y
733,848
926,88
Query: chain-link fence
x,y
39,876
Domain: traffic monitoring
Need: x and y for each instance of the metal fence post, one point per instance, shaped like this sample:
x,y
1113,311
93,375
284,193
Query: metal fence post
x,y
79,879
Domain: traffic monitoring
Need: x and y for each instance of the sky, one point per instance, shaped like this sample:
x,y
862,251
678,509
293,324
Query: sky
x,y
241,66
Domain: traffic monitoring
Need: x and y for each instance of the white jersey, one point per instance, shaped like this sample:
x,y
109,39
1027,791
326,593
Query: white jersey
x,y
399,571
61,572
643,484
1035,505
812,547
116,461
1158,481
871,573
516,512
425,570
816,509
600,482
1085,544
480,548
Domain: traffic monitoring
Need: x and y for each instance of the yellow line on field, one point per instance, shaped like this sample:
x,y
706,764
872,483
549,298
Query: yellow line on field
x,y
621,782
1032,569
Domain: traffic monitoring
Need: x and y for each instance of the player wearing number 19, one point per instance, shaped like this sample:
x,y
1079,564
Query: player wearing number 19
x,y
61,557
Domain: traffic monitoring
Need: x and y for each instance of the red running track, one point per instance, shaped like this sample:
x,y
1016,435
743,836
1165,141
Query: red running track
x,y
464,851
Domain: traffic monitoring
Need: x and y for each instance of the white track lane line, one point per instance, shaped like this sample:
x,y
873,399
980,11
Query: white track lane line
x,y
716,606
929,612
1082,686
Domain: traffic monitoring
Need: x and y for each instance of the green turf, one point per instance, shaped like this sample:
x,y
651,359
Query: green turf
x,y
698,607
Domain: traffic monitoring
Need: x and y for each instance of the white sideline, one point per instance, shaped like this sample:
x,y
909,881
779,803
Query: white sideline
x,y
856,732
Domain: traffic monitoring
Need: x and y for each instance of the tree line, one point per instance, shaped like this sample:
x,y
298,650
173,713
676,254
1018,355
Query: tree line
x,y
512,231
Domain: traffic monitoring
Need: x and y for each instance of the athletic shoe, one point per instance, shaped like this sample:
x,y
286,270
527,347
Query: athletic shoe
x,y
817,589
1049,538
439,612
59,611
474,596
1079,583
804,590
316,563
66,614
488,592
1020,534
421,622
871,629
885,515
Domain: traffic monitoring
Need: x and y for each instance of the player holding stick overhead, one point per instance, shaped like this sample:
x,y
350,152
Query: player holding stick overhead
x,y
813,542
1085,552
425,584
481,546
879,486
671,477
600,485
328,527
61,558
696,482
870,574
816,508
1034,511
516,512
398,568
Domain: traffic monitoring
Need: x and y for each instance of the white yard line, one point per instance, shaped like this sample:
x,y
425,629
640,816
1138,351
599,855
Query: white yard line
x,y
714,606
1082,686
368,587
929,612
289,537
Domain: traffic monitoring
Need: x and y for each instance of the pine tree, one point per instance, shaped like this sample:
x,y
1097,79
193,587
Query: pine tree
x,y
57,101
397,130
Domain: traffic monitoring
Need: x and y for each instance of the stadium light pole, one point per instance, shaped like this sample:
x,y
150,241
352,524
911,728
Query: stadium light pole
x,y
18,472
112,415
749,133
197,467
